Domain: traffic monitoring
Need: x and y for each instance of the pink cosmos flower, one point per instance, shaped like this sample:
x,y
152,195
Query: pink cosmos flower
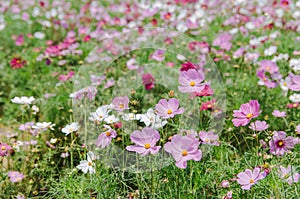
x,y
5,149
208,105
246,112
288,174
65,78
168,109
104,139
207,91
298,129
209,138
268,73
15,176
148,81
89,92
223,41
158,55
20,40
248,178
277,113
259,125
120,103
203,47
17,63
239,52
109,83
191,81
183,148
145,141
97,80
294,83
132,64
280,144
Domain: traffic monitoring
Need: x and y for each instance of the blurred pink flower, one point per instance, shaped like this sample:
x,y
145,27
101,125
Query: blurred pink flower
x,y
120,103
15,176
209,138
5,150
259,125
280,144
277,113
191,81
158,55
148,81
288,174
294,83
20,40
104,139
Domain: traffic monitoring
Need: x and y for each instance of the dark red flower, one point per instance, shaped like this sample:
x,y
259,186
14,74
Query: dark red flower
x,y
17,63
187,66
148,81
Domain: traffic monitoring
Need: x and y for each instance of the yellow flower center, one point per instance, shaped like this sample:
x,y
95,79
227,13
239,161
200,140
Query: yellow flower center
x,y
90,164
284,83
147,146
251,181
3,148
294,105
268,68
71,129
206,140
121,105
209,106
249,115
192,83
108,133
280,143
184,153
169,111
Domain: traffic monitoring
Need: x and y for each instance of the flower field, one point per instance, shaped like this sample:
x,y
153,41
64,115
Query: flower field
x,y
150,99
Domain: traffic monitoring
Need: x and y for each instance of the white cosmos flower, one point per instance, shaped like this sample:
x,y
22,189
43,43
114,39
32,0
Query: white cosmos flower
x,y
283,83
295,98
129,117
43,125
87,165
150,118
101,113
23,100
111,119
70,128
270,51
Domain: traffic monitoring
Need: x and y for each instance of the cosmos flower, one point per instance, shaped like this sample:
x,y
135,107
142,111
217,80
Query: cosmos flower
x,y
90,92
294,83
249,178
23,100
100,114
280,144
223,41
104,139
246,112
295,98
277,113
120,103
65,78
210,105
73,127
158,55
183,148
17,63
151,119
15,176
132,64
209,138
288,174
268,73
5,149
191,81
187,66
88,165
168,109
97,80
259,125
43,126
145,141
148,81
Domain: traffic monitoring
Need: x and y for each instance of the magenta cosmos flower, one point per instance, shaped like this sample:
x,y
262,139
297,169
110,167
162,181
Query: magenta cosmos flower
x,y
168,109
209,138
259,125
148,81
191,81
5,149
294,83
288,174
248,178
183,148
120,103
246,112
145,141
104,139
15,176
280,144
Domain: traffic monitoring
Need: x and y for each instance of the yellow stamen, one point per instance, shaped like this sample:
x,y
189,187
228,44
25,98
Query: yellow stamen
x,y
184,153
192,83
3,148
147,146
108,133
249,115
121,105
90,164
251,181
169,111
280,143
